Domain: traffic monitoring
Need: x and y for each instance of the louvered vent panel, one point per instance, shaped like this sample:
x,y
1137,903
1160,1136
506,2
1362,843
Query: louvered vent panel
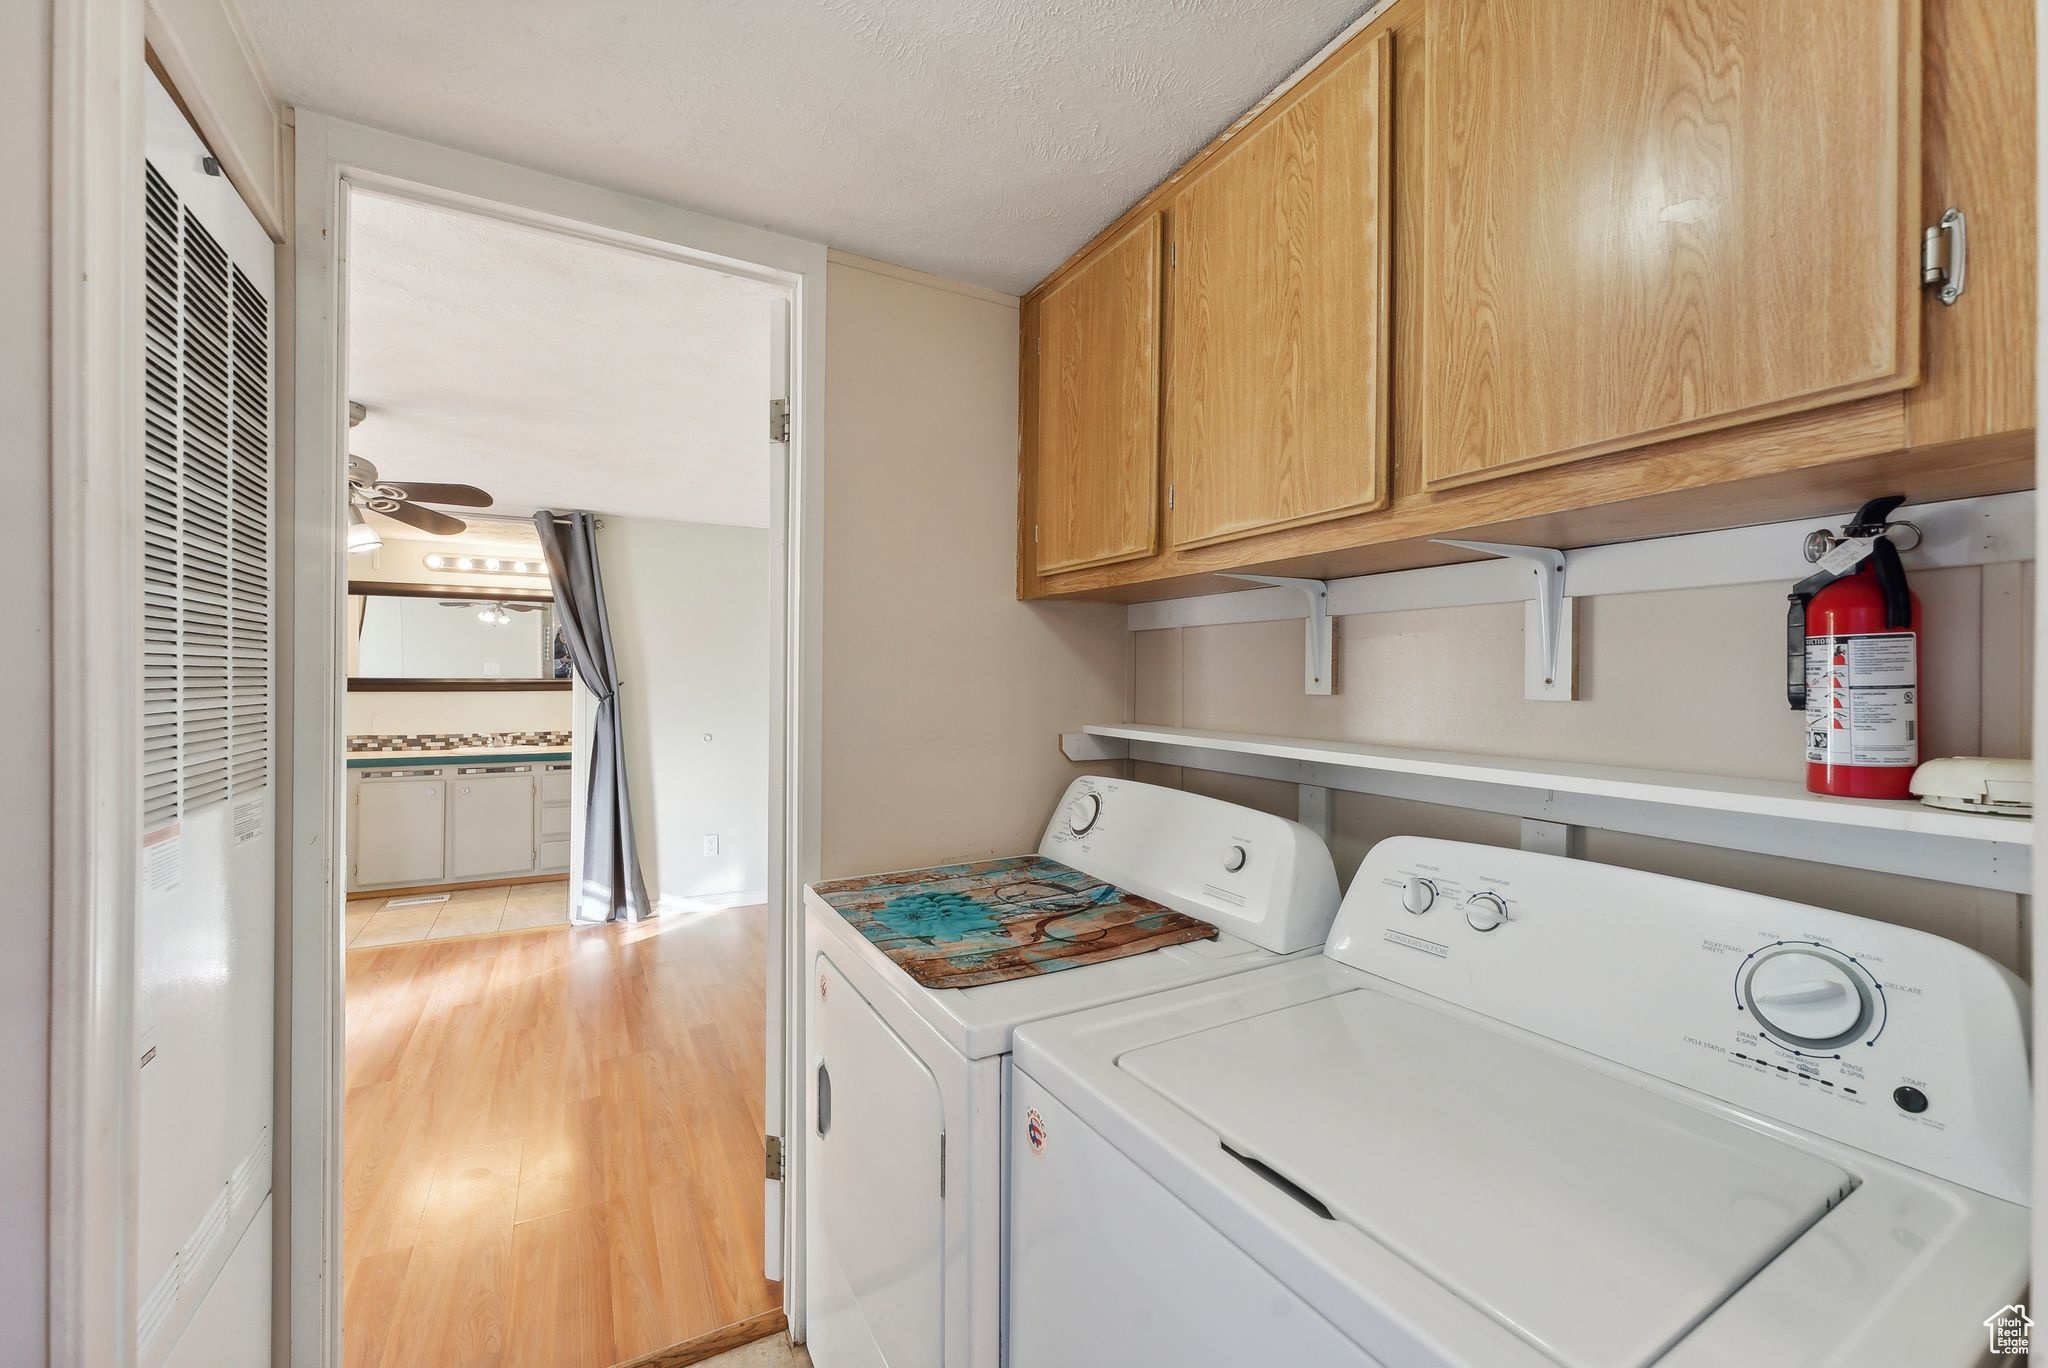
x,y
203,517
249,538
160,506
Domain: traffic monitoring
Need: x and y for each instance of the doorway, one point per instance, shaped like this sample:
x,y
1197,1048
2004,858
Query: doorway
x,y
633,1185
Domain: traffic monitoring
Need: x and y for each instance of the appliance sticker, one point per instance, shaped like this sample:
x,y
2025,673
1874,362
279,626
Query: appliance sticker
x,y
1034,1130
1862,699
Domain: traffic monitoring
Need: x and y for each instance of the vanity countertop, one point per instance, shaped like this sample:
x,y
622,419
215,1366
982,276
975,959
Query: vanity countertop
x,y
478,755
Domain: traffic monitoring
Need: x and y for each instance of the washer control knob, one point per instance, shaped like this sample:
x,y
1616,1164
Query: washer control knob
x,y
1082,811
1807,997
1233,858
1419,896
1485,911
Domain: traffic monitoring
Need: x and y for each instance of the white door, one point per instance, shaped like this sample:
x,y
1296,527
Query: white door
x,y
783,891
206,904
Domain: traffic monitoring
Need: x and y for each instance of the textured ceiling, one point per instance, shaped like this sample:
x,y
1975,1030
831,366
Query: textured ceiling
x,y
555,372
979,139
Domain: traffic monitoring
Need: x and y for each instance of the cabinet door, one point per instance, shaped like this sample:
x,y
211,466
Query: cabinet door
x,y
399,829
1276,407
490,825
1656,217
1098,408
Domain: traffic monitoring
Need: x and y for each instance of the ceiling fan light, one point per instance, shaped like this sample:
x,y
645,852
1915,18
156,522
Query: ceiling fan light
x,y
361,536
485,614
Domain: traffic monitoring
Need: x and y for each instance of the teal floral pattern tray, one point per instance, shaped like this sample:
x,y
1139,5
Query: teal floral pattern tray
x,y
960,926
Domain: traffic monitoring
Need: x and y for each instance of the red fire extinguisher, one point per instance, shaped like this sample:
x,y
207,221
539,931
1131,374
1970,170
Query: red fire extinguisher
x,y
1852,658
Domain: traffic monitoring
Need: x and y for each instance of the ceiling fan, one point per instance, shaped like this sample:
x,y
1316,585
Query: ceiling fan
x,y
492,610
403,500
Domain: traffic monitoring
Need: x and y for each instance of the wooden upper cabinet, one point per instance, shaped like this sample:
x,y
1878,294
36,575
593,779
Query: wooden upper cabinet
x,y
1655,217
1097,437
1276,410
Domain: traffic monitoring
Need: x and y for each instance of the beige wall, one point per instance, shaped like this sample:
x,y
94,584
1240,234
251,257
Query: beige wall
x,y
1688,680
689,611
943,695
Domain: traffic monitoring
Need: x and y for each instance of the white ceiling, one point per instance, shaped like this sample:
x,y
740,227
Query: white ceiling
x,y
980,139
554,372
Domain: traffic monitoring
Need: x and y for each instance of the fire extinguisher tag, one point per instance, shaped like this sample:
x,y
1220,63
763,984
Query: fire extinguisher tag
x,y
1863,699
1845,556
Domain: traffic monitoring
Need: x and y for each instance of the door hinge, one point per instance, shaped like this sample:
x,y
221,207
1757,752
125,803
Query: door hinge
x,y
1034,534
1944,256
772,1145
1169,496
1173,254
778,420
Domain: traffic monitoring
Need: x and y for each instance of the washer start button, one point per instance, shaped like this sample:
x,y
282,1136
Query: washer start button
x,y
1910,1099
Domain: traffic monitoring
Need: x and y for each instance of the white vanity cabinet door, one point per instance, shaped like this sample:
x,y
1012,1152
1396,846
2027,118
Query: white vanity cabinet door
x,y
399,831
491,823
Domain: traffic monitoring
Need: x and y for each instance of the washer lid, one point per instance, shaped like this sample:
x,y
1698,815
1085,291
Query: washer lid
x,y
1599,1220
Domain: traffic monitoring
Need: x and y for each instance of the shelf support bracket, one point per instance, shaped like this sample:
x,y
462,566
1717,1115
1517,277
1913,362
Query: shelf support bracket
x,y
1550,668
1319,658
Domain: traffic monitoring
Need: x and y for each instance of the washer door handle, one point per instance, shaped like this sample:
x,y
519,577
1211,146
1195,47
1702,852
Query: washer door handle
x,y
824,1099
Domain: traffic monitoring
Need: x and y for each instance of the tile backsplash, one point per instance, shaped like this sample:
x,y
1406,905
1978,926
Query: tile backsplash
x,y
450,741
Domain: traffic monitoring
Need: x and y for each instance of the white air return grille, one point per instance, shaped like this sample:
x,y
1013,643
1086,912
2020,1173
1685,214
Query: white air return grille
x,y
160,419
206,518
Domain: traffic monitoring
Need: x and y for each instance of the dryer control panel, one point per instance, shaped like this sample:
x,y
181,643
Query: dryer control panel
x,y
1882,1037
1248,873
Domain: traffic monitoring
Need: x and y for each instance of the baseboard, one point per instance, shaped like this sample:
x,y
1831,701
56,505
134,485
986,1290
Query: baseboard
x,y
674,904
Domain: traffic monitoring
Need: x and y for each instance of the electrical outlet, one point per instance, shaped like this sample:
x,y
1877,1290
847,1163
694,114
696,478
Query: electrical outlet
x,y
711,844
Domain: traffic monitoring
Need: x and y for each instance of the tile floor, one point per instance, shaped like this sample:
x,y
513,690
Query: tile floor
x,y
468,912
774,1352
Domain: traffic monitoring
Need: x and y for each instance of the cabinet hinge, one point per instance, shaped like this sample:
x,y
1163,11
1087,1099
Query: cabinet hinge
x,y
1173,254
1034,534
1944,256
772,1147
1169,496
778,420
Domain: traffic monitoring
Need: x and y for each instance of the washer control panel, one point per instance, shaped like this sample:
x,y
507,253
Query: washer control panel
x,y
1890,1039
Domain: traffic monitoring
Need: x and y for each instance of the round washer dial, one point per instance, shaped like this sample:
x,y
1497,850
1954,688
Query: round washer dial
x,y
1807,997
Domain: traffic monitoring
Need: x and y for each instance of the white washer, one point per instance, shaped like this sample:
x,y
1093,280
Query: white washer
x,y
1530,1111
904,1184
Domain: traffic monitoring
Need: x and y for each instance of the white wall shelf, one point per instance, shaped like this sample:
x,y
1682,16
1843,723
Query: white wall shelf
x,y
1771,817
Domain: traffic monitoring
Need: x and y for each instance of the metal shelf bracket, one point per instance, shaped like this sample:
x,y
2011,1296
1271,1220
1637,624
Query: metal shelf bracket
x,y
1319,656
1550,666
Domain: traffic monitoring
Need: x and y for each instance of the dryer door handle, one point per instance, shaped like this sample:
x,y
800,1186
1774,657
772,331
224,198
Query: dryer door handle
x,y
824,1099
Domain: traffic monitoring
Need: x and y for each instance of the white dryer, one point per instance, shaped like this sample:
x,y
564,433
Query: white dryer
x,y
904,1204
1530,1112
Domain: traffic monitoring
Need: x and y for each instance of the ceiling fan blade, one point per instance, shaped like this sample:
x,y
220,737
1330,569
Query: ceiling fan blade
x,y
426,519
459,495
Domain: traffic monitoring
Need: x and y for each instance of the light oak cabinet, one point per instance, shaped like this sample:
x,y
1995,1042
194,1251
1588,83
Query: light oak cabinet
x,y
1276,404
1097,356
1656,217
1558,272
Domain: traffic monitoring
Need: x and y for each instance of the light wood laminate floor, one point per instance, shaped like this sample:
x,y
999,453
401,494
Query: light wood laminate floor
x,y
553,1144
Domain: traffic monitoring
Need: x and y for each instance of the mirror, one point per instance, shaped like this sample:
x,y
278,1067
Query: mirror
x,y
438,636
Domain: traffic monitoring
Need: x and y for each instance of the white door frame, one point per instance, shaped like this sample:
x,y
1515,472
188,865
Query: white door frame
x,y
332,155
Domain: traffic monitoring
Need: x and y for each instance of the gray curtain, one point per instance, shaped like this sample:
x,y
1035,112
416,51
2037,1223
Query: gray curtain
x,y
610,887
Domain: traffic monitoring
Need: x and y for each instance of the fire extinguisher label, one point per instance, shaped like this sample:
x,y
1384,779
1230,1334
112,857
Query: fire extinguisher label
x,y
1863,699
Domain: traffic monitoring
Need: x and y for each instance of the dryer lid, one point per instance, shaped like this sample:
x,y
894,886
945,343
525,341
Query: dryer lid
x,y
1597,1219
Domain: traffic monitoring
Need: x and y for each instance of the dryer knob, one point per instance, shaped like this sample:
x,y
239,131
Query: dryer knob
x,y
1082,811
